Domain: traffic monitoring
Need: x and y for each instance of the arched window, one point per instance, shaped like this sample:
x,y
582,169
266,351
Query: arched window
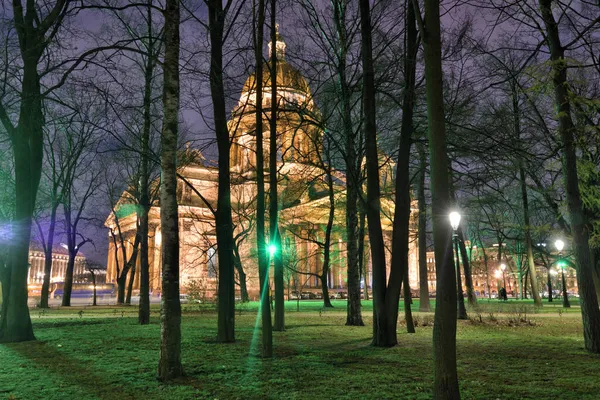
x,y
213,262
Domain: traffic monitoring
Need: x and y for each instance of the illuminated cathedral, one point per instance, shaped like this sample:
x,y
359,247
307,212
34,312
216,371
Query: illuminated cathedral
x,y
302,189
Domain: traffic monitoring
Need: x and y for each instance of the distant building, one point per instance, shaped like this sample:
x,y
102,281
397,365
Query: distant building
x,y
60,258
303,198
487,281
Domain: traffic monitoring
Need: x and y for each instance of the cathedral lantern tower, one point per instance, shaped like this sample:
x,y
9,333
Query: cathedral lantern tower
x,y
298,134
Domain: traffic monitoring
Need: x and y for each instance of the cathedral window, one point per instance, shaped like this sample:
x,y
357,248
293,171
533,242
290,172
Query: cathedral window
x,y
213,262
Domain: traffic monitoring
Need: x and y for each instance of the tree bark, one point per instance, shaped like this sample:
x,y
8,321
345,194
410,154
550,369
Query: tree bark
x,y
279,324
352,162
471,297
445,382
588,300
169,364
400,234
327,244
424,304
27,146
263,263
144,306
48,250
68,284
224,224
535,292
373,207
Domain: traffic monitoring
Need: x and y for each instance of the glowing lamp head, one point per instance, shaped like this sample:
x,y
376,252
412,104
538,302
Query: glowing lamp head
x,y
503,267
454,220
560,245
272,249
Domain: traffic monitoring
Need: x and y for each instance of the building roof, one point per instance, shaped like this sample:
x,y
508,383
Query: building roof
x,y
288,77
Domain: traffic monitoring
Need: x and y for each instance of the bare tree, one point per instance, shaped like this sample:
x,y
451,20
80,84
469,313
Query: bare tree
x,y
445,383
169,365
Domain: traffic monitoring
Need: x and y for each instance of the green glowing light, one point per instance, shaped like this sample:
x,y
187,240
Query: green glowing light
x,y
272,249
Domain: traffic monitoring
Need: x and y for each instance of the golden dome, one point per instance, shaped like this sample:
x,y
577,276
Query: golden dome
x,y
288,77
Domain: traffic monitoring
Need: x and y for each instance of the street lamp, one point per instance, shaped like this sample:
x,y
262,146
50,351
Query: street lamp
x,y
560,245
503,268
454,222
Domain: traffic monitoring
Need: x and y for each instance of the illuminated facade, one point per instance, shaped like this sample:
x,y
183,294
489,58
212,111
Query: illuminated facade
x,y
302,190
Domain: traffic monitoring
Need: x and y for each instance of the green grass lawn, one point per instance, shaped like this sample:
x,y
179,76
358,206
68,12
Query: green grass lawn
x,y
506,352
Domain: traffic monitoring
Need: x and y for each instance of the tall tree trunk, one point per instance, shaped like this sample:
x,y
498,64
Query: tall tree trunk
x,y
224,227
410,325
27,145
466,268
424,304
169,364
373,207
353,313
263,263
445,382
94,303
588,300
130,283
144,306
327,244
68,285
273,195
362,256
241,275
460,298
535,292
48,250
400,234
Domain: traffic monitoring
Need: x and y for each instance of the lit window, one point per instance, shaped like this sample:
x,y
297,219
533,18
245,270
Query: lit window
x,y
213,262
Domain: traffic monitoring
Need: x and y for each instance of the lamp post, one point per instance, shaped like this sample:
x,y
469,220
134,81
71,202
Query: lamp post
x,y
560,245
498,275
454,222
503,268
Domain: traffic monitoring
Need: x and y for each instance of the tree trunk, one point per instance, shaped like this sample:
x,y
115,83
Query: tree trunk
x,y
466,268
410,325
327,245
373,208
549,286
27,145
48,259
130,284
144,306
273,195
263,264
68,285
224,225
588,300
353,313
535,292
424,304
400,234
169,364
462,311
445,382
362,256
241,275
94,303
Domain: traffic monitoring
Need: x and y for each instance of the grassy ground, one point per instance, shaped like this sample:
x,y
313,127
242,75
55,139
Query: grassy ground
x,y
505,352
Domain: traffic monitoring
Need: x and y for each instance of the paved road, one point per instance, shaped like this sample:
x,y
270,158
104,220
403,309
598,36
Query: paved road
x,y
87,301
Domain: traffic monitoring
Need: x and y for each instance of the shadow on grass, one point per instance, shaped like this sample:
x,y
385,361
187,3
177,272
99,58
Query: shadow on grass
x,y
73,372
70,322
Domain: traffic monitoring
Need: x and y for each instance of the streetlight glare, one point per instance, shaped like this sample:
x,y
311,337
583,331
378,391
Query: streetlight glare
x,y
560,245
498,274
503,267
454,219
